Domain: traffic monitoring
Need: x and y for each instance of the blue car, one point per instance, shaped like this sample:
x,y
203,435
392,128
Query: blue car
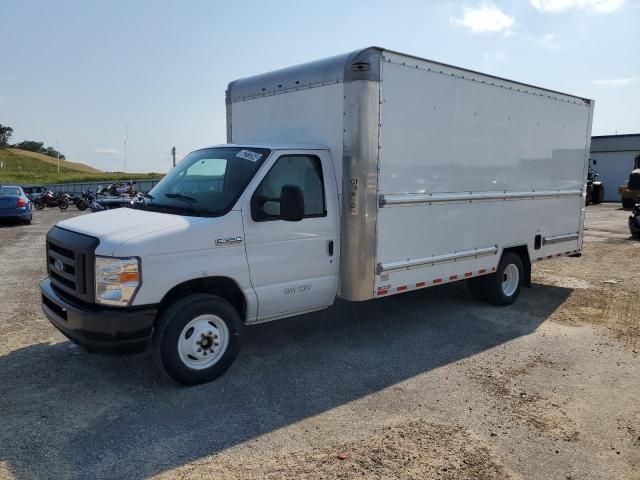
x,y
14,204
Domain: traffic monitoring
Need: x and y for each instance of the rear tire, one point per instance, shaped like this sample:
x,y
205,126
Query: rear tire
x,y
81,205
503,287
197,339
38,205
628,202
63,205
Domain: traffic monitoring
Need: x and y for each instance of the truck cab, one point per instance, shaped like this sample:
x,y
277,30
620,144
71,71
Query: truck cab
x,y
258,226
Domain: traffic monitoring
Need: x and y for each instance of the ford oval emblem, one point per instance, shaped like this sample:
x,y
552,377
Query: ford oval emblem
x,y
59,266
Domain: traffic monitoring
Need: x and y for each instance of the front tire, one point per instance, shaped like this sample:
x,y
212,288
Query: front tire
x,y
63,205
628,202
503,287
197,339
38,205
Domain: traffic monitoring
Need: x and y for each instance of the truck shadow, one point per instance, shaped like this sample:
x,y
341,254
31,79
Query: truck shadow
x,y
65,413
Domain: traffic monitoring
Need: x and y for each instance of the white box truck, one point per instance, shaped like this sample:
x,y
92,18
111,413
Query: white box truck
x,y
360,176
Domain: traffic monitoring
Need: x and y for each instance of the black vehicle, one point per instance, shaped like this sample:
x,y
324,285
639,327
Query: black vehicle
x,y
634,220
595,188
33,192
108,203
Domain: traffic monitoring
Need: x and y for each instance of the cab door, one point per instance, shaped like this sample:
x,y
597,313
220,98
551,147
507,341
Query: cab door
x,y
293,265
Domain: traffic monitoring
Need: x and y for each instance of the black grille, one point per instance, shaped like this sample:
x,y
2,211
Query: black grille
x,y
62,251
70,258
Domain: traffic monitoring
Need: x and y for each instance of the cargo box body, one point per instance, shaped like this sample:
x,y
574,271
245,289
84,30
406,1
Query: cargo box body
x,y
439,169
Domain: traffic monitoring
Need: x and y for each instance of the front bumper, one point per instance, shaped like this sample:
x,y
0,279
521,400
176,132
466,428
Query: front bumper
x,y
99,329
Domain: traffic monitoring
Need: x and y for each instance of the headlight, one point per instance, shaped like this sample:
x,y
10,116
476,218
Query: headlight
x,y
117,280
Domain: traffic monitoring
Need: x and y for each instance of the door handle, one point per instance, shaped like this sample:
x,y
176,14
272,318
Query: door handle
x,y
330,248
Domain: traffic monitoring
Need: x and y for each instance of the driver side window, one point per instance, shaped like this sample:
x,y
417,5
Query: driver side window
x,y
304,171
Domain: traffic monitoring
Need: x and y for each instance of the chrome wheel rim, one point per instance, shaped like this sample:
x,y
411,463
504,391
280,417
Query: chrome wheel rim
x,y
510,280
203,341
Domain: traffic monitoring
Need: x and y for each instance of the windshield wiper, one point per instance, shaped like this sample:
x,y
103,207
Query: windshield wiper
x,y
181,196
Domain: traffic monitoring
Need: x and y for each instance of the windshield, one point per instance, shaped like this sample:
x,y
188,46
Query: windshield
x,y
206,182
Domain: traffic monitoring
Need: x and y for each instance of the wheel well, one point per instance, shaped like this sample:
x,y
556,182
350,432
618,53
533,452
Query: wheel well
x,y
222,287
523,252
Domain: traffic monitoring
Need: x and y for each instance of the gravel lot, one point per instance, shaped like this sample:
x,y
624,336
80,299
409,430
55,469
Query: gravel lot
x,y
428,384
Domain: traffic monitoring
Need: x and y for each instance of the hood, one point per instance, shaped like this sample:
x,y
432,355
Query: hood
x,y
114,227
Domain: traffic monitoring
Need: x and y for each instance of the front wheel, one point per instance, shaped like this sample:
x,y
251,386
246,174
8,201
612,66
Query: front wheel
x,y
628,202
197,339
503,287
63,205
38,205
81,205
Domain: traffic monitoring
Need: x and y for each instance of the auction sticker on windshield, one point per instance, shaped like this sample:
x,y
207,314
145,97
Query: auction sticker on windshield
x,y
249,155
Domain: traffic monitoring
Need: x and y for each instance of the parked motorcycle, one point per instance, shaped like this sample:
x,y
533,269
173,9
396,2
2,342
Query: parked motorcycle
x,y
51,200
118,190
85,200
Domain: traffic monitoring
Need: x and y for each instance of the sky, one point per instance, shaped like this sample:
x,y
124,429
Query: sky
x,y
75,74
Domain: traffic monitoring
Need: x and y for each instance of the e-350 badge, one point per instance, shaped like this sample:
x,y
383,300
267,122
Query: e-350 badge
x,y
222,242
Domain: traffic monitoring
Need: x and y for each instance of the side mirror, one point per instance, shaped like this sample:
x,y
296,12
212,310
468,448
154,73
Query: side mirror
x,y
291,203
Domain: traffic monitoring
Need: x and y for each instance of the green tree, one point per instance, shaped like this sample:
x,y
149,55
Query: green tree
x,y
31,146
5,135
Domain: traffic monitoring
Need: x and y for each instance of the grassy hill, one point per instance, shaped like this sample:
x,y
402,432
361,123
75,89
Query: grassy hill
x,y
81,167
28,168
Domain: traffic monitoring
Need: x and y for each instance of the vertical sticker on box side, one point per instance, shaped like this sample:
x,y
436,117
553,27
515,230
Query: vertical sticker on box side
x,y
354,202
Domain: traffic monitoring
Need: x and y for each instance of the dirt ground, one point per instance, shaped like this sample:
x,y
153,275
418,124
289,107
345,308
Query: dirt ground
x,y
428,384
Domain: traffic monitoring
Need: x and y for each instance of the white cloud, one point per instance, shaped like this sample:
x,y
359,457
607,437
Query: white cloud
x,y
486,17
593,6
550,40
111,152
614,82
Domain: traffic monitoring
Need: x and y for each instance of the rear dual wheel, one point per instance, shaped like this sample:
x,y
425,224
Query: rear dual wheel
x,y
502,287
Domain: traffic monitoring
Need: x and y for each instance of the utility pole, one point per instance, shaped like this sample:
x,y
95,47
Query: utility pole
x,y
124,173
173,154
58,150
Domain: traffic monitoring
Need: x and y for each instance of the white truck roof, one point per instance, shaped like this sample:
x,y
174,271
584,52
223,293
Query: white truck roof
x,y
343,68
